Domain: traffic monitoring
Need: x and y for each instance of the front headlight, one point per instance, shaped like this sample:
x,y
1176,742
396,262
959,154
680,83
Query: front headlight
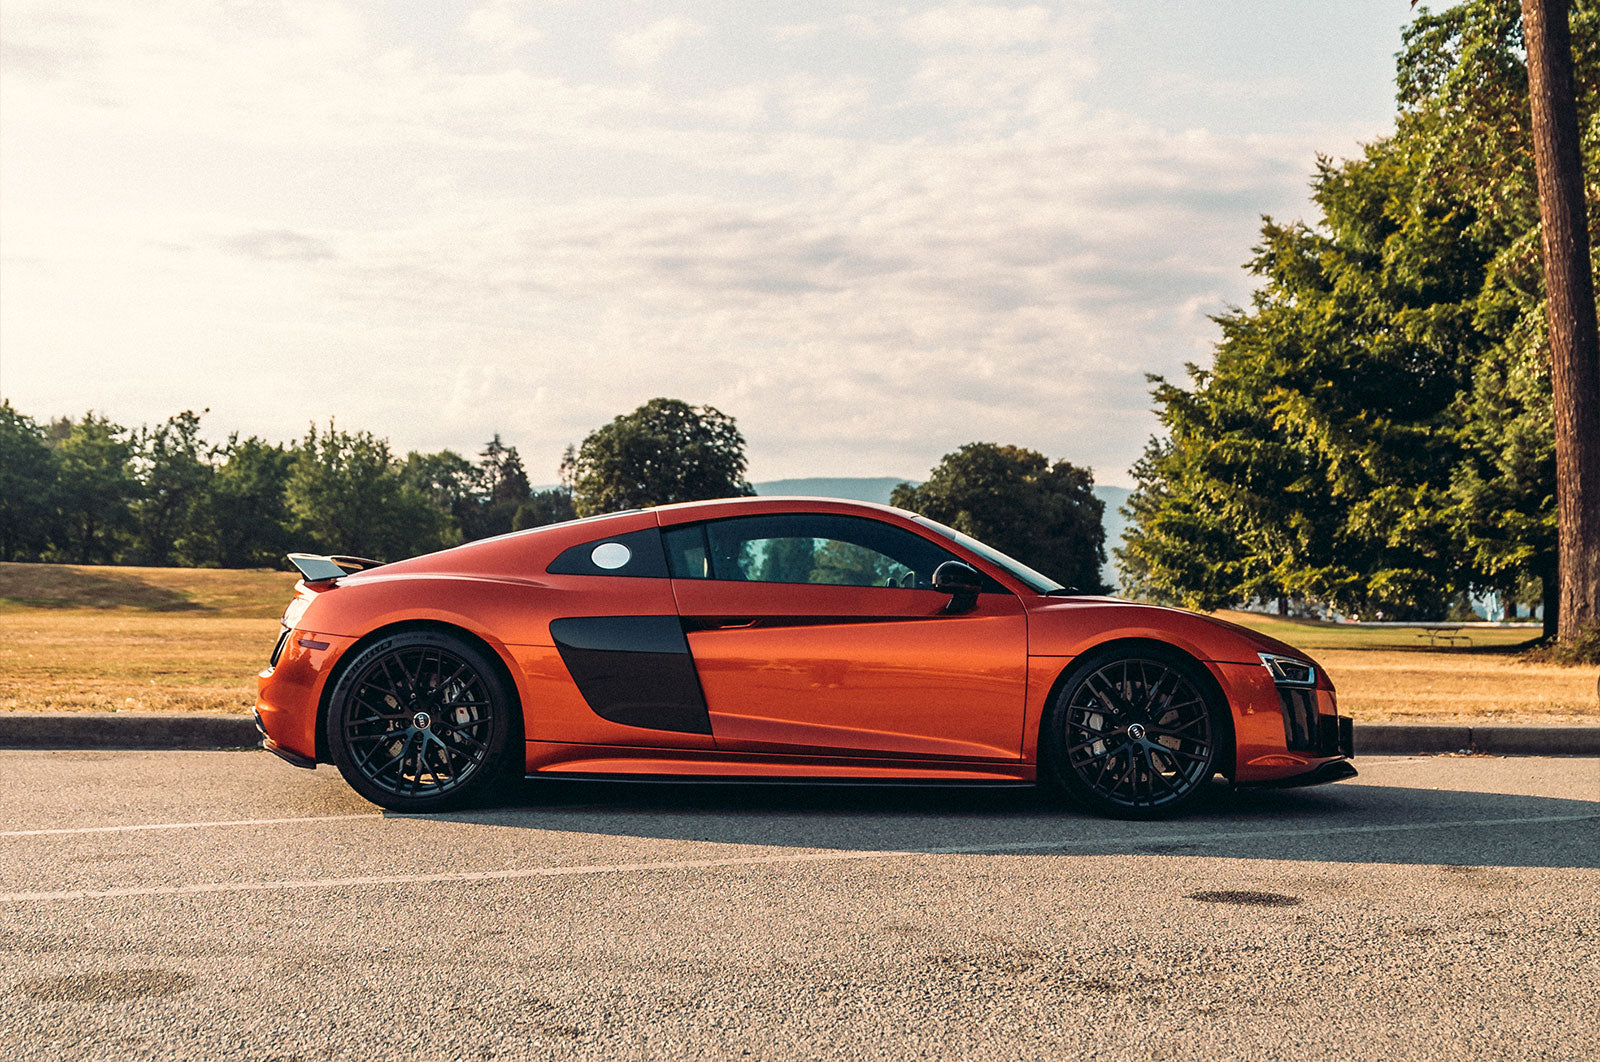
x,y
1289,671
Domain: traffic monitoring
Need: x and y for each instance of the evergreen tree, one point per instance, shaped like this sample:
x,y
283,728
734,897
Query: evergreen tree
x,y
27,486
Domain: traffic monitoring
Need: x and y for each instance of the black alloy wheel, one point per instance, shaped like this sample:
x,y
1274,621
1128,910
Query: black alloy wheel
x,y
1134,734
420,721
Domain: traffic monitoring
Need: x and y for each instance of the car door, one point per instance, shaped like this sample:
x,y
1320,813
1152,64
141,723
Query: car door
x,y
820,633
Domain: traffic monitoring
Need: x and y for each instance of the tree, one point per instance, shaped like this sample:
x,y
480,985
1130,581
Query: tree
x,y
96,489
543,507
347,496
1570,312
1313,459
249,520
502,489
450,481
663,452
1043,514
27,486
1465,95
1375,430
175,478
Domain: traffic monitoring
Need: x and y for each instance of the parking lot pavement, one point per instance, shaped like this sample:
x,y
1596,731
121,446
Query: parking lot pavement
x,y
193,904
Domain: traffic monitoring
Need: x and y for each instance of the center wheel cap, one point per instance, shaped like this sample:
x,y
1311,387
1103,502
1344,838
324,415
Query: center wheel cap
x,y
1136,731
422,720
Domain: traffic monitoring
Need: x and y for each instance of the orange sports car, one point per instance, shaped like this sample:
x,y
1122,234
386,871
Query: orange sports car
x,y
775,639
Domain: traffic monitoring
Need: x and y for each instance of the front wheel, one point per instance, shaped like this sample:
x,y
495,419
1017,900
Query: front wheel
x,y
1134,734
420,721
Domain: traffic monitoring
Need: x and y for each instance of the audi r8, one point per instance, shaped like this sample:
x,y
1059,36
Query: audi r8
x,y
776,639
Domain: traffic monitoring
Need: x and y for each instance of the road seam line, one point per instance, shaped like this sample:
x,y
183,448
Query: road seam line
x,y
187,825
295,884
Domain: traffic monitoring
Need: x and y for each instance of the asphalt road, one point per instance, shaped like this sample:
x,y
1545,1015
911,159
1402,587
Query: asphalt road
x,y
202,905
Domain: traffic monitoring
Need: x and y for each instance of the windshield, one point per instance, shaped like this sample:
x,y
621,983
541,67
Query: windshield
x,y
1041,584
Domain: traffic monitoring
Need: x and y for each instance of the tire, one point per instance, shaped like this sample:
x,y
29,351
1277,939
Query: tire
x,y
1134,733
421,721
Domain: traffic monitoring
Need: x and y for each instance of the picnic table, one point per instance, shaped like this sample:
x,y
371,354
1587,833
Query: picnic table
x,y
1450,632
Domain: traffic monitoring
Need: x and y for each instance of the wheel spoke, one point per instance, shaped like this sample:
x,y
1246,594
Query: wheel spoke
x,y
1090,744
1170,751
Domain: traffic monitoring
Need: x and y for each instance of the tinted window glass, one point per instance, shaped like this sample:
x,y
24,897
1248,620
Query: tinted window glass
x,y
686,552
804,548
1034,580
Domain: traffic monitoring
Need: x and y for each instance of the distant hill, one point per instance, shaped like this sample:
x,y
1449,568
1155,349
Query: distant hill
x,y
878,488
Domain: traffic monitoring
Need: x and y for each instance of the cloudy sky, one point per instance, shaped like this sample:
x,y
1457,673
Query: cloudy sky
x,y
870,232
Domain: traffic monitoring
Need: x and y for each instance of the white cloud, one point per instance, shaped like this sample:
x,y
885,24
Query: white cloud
x,y
643,48
967,26
501,25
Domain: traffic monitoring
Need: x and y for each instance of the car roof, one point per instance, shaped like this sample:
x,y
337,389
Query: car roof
x,y
686,512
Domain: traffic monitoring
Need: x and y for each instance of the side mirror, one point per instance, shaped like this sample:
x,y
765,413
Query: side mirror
x,y
961,581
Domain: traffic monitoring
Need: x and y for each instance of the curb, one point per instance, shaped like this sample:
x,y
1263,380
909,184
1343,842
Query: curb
x,y
1398,739
167,731
125,731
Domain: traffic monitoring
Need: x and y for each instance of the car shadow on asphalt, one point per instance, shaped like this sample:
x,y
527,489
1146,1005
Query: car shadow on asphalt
x,y
1347,822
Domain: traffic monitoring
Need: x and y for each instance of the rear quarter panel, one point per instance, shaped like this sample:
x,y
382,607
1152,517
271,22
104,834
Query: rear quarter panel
x,y
511,614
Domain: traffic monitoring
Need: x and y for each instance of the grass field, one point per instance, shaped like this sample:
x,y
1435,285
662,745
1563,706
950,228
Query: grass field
x,y
181,639
1390,674
135,639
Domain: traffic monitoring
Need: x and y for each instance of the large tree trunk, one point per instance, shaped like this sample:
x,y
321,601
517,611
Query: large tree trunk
x,y
1569,286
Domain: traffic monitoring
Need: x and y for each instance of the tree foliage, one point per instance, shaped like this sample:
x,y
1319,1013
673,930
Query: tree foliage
x,y
348,497
663,452
249,524
27,486
175,476
95,490
1045,515
92,491
1374,430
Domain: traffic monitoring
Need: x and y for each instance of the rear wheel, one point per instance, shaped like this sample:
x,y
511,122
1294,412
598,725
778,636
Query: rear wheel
x,y
1134,733
420,721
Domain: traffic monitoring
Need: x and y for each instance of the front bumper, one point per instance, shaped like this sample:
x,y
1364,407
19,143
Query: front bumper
x,y
1332,771
1284,733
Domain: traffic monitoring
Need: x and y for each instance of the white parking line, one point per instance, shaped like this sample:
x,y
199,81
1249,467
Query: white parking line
x,y
187,825
294,884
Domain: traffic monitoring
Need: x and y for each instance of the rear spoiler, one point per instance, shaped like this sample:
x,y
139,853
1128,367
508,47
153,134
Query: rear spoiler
x,y
318,569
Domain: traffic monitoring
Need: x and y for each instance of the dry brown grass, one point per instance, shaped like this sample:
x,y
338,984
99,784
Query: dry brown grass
x,y
102,661
1457,687
175,639
78,638
1390,674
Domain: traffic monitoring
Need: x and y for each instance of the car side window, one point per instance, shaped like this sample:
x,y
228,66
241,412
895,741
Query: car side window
x,y
812,548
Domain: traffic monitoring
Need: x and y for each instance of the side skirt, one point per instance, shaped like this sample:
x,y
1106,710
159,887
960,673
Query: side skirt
x,y
623,763
757,779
